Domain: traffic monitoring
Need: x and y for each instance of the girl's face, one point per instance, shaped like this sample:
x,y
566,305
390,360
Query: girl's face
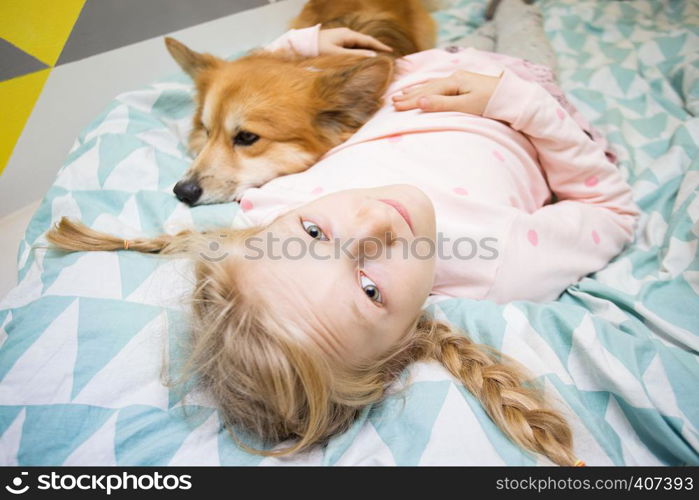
x,y
352,268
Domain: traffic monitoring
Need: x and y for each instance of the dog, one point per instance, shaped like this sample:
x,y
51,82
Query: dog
x,y
270,114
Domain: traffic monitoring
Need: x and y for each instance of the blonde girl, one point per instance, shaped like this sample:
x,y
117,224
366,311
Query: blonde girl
x,y
293,344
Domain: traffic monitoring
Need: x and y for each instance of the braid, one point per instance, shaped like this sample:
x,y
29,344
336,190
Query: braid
x,y
520,411
74,236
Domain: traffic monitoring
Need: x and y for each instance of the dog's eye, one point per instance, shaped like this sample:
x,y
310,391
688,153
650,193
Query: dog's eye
x,y
244,138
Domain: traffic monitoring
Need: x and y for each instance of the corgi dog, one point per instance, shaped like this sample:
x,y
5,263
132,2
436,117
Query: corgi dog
x,y
270,114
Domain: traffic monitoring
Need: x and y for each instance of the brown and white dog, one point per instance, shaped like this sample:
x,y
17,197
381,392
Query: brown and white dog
x,y
270,114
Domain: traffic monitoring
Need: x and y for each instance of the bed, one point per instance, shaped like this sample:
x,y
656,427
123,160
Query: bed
x,y
86,338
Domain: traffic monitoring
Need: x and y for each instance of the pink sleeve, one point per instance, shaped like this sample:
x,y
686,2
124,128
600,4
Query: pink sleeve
x,y
302,41
595,214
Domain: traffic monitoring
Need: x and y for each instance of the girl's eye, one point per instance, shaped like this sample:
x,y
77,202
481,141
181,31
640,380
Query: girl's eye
x,y
370,289
244,138
314,231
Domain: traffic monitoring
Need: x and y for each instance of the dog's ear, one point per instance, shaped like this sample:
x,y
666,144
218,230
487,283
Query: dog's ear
x,y
351,94
191,62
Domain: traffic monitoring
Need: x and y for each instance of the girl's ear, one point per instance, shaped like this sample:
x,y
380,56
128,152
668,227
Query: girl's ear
x,y
190,61
351,94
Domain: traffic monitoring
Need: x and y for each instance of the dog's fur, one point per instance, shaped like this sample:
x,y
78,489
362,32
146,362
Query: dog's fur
x,y
296,108
403,25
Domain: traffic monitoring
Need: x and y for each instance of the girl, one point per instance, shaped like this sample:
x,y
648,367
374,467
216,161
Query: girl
x,y
312,307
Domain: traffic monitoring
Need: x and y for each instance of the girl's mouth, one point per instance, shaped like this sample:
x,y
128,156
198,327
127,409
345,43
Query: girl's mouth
x,y
402,211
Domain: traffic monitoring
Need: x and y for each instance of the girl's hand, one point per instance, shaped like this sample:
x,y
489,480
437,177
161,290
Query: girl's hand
x,y
463,91
347,41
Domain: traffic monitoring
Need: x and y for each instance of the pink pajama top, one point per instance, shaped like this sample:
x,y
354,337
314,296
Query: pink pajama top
x,y
491,178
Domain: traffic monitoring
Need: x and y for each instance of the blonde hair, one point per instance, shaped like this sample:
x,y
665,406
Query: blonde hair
x,y
277,384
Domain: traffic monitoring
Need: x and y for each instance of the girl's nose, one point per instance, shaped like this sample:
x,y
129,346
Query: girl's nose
x,y
373,229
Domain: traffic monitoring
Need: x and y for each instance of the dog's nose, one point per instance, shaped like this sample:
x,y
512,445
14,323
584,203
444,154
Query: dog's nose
x,y
188,192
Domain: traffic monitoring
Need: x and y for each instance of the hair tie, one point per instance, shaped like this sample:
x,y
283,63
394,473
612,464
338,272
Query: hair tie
x,y
579,463
126,244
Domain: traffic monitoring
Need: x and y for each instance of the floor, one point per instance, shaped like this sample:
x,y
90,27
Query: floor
x,y
107,50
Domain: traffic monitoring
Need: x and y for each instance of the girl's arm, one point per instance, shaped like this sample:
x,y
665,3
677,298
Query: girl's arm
x,y
595,215
311,42
301,41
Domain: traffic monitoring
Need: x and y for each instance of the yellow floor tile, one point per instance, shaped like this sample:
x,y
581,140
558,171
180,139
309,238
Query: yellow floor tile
x,y
17,98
